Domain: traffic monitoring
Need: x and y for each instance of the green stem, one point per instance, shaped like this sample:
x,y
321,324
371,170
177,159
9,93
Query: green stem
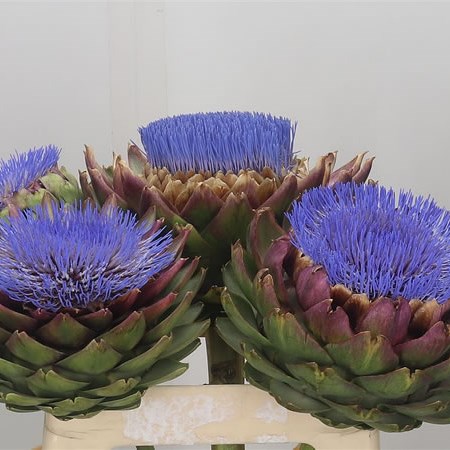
x,y
228,447
145,447
225,366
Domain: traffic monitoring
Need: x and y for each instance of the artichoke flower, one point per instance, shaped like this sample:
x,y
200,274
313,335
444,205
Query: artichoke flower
x,y
94,311
212,171
347,318
26,177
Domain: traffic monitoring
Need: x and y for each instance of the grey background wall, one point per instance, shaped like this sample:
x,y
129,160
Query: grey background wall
x,y
357,76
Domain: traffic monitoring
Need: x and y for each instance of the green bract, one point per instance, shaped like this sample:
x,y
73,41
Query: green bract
x,y
324,350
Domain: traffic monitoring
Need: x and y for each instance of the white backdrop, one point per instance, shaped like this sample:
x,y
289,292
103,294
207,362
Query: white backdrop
x,y
367,76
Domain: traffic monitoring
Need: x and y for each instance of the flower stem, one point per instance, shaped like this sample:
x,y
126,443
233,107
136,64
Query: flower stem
x,y
225,366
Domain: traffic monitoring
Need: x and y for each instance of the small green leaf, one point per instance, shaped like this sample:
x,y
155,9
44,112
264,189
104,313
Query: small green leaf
x,y
184,335
14,321
182,277
17,399
64,331
231,222
265,297
263,230
327,382
292,341
71,406
396,384
191,314
230,334
162,371
26,348
256,378
94,359
202,207
51,384
259,362
167,325
4,335
428,407
193,285
364,354
439,372
115,389
304,446
295,400
136,160
141,363
243,317
186,351
335,419
240,271
127,334
12,371
230,282
98,320
127,402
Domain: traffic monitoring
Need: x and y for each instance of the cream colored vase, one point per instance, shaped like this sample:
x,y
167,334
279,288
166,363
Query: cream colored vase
x,y
190,415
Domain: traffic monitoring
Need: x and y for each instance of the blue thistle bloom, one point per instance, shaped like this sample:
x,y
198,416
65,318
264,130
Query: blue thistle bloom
x,y
225,141
62,257
23,169
374,243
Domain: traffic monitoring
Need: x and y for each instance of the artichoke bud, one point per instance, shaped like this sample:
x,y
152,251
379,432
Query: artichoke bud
x,y
347,316
214,171
93,312
26,177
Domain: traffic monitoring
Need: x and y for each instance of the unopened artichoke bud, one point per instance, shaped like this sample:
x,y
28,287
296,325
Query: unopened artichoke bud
x,y
348,317
94,311
212,171
26,177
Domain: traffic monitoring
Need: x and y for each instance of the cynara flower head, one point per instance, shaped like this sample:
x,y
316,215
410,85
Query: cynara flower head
x,y
220,141
374,242
23,169
62,257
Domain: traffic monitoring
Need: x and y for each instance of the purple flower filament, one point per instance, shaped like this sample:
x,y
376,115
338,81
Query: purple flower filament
x,y
23,169
375,243
219,141
81,255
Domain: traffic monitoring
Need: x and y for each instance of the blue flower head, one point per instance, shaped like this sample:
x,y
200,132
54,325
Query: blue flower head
x,y
226,141
375,243
23,169
62,257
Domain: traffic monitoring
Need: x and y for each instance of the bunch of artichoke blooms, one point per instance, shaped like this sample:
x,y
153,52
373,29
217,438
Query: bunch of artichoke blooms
x,y
26,177
347,317
94,311
212,171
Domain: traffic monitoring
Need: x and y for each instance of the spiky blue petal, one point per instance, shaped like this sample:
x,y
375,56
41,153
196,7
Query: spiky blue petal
x,y
220,141
375,243
73,256
22,169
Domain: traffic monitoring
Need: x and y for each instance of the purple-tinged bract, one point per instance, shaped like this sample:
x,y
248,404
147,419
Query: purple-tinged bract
x,y
225,141
62,257
375,242
22,169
